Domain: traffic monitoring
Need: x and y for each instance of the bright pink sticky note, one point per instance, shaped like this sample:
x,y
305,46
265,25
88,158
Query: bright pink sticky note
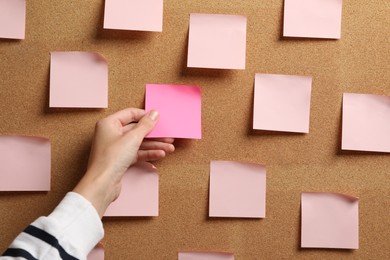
x,y
97,253
366,122
237,189
24,163
217,41
78,79
139,193
205,256
145,15
180,110
312,18
282,103
329,220
12,19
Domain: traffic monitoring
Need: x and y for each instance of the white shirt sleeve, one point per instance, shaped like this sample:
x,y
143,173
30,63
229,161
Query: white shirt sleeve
x,y
71,231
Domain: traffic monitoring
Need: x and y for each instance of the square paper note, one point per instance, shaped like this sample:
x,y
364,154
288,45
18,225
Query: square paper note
x,y
24,163
180,110
237,189
329,220
78,79
144,15
312,18
282,103
12,19
366,122
139,193
217,41
205,256
97,253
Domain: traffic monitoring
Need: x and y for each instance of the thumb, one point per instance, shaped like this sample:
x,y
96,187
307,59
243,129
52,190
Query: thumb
x,y
146,124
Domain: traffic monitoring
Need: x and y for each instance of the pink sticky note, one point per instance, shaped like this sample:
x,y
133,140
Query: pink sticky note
x,y
139,193
97,253
312,18
78,79
205,256
329,220
12,19
237,189
24,163
366,122
217,41
282,103
145,15
180,110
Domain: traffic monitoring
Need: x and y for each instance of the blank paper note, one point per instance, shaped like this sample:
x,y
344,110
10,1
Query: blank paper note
x,y
12,19
144,15
366,123
312,18
78,79
180,110
24,163
97,253
329,220
217,41
282,103
139,193
237,189
205,256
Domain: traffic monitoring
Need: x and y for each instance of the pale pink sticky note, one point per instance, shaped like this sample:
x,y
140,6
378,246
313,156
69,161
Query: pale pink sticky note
x,y
237,189
282,103
312,18
144,15
24,163
180,110
97,253
366,122
205,256
217,41
139,193
12,19
329,220
78,79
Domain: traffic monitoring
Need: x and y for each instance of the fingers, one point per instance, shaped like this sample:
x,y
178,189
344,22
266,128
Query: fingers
x,y
156,145
128,115
150,155
145,125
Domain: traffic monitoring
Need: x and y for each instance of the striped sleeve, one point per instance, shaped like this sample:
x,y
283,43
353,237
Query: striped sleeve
x,y
70,232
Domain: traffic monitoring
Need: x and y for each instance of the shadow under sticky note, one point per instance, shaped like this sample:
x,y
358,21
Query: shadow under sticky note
x,y
78,79
205,256
24,163
180,110
237,189
145,15
12,19
282,103
366,123
312,18
329,220
139,193
217,41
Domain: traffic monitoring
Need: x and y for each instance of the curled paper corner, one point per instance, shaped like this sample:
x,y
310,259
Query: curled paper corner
x,y
348,197
32,137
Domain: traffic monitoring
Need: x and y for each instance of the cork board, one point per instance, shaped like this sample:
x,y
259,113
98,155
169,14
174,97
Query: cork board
x,y
358,63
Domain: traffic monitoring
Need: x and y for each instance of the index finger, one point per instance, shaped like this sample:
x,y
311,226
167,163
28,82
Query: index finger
x,y
128,115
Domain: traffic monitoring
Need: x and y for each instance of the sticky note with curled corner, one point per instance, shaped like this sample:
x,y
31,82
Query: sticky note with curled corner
x,y
199,255
329,220
78,80
12,19
25,163
97,253
312,18
139,193
217,41
366,122
180,108
145,15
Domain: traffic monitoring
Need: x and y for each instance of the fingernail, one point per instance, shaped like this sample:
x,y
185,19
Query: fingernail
x,y
153,115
